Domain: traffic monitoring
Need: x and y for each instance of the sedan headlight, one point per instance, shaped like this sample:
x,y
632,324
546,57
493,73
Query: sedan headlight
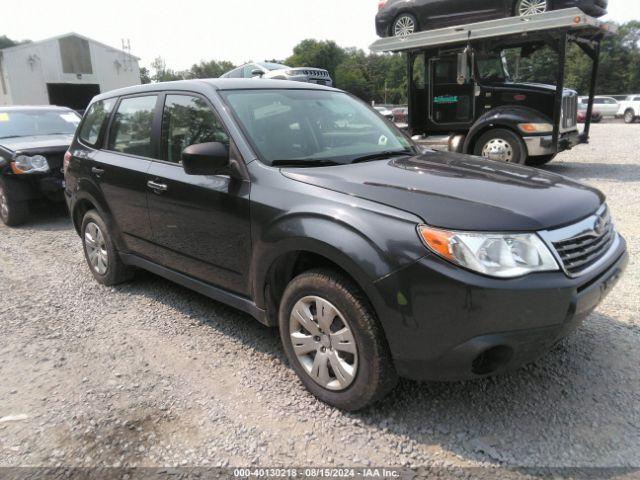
x,y
501,255
26,164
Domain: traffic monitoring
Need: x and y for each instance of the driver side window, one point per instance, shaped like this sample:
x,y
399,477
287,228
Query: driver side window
x,y
188,120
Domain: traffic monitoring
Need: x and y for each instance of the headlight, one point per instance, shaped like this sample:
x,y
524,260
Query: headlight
x,y
536,127
25,164
293,73
493,254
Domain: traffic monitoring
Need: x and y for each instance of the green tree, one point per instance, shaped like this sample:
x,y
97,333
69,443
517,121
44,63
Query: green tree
x,y
164,74
6,42
211,69
145,75
321,54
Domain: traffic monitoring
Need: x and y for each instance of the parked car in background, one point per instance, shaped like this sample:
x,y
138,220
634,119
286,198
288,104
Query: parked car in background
x,y
304,208
277,71
606,106
596,116
33,141
401,115
404,17
630,109
384,111
619,98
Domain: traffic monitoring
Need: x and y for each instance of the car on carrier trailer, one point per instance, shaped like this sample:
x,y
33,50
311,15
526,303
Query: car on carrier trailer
x,y
461,91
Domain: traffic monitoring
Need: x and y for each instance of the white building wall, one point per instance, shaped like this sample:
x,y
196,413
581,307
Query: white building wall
x,y
29,68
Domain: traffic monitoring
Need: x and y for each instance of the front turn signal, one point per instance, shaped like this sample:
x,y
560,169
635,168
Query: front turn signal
x,y
437,240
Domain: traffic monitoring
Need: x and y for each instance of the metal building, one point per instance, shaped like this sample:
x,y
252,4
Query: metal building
x,y
68,70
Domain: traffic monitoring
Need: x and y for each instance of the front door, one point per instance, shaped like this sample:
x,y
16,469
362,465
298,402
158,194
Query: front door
x,y
452,105
201,223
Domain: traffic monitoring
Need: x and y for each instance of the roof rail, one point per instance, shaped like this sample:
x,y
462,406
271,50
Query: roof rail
x,y
569,19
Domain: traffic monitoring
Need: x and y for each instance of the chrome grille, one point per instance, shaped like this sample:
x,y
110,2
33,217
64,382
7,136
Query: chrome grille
x,y
584,250
569,119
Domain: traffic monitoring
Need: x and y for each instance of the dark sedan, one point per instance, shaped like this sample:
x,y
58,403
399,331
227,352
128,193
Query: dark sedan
x,y
33,141
404,17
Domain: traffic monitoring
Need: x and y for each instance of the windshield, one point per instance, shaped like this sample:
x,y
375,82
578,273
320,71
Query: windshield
x,y
313,127
492,68
26,123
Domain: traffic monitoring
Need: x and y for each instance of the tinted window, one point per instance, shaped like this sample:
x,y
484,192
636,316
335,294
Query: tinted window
x,y
599,101
95,119
186,121
637,99
446,71
132,125
237,73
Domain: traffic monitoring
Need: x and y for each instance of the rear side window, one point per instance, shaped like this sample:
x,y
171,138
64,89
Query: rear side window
x,y
637,99
188,120
132,126
95,120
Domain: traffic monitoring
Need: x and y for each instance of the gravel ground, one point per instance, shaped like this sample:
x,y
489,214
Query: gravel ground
x,y
151,374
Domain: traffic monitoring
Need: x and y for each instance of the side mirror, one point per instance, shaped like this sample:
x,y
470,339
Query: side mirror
x,y
463,68
256,73
206,159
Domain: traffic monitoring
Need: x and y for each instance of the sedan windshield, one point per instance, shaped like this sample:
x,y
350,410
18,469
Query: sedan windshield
x,y
27,123
314,127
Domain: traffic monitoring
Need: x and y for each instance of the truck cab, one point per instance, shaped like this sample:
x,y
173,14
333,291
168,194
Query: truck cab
x,y
466,92
470,89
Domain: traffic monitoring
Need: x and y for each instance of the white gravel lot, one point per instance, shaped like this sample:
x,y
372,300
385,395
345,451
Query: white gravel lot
x,y
151,374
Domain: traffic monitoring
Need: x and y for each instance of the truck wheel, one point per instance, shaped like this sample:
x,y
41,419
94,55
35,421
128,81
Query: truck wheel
x,y
501,145
100,252
539,161
630,116
524,8
12,211
404,25
334,342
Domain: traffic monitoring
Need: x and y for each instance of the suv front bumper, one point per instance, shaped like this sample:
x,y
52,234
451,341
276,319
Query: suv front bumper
x,y
445,323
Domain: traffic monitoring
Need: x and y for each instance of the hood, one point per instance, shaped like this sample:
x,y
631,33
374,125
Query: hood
x,y
462,192
40,142
308,70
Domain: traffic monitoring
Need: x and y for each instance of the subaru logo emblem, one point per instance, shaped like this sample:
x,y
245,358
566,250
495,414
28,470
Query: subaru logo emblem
x,y
600,227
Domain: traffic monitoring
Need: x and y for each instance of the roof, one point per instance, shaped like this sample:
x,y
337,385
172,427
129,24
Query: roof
x,y
200,85
568,19
70,34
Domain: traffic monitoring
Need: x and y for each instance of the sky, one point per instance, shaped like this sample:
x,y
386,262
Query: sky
x,y
186,31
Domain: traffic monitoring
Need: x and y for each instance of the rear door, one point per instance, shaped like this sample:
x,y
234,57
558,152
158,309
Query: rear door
x,y
201,223
120,168
441,13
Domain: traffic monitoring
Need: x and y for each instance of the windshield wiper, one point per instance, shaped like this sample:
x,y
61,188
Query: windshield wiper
x,y
304,163
382,155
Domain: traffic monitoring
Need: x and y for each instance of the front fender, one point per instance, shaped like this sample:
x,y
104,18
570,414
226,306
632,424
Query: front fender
x,y
502,117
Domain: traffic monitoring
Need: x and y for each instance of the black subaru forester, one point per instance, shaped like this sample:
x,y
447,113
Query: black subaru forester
x,y
303,207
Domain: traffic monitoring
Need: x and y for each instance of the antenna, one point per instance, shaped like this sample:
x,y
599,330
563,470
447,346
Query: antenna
x,y
127,57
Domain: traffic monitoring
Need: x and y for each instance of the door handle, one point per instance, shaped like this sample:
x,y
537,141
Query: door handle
x,y
98,172
157,187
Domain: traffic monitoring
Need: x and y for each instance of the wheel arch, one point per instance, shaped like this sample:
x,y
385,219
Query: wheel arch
x,y
502,117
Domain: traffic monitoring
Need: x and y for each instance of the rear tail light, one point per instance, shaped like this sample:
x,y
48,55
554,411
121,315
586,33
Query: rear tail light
x,y
381,4
65,162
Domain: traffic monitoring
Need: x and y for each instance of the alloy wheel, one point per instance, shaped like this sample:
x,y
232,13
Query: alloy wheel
x,y
4,204
532,7
96,248
403,26
323,343
629,116
498,149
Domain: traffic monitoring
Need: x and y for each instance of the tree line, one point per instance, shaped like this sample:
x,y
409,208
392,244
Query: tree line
x,y
382,77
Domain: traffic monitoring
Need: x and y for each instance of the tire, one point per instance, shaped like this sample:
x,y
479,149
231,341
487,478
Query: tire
x,y
526,8
539,161
629,116
362,351
404,24
100,252
501,145
12,211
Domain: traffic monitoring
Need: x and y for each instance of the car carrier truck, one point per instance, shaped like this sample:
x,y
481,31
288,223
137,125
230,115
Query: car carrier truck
x,y
461,94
